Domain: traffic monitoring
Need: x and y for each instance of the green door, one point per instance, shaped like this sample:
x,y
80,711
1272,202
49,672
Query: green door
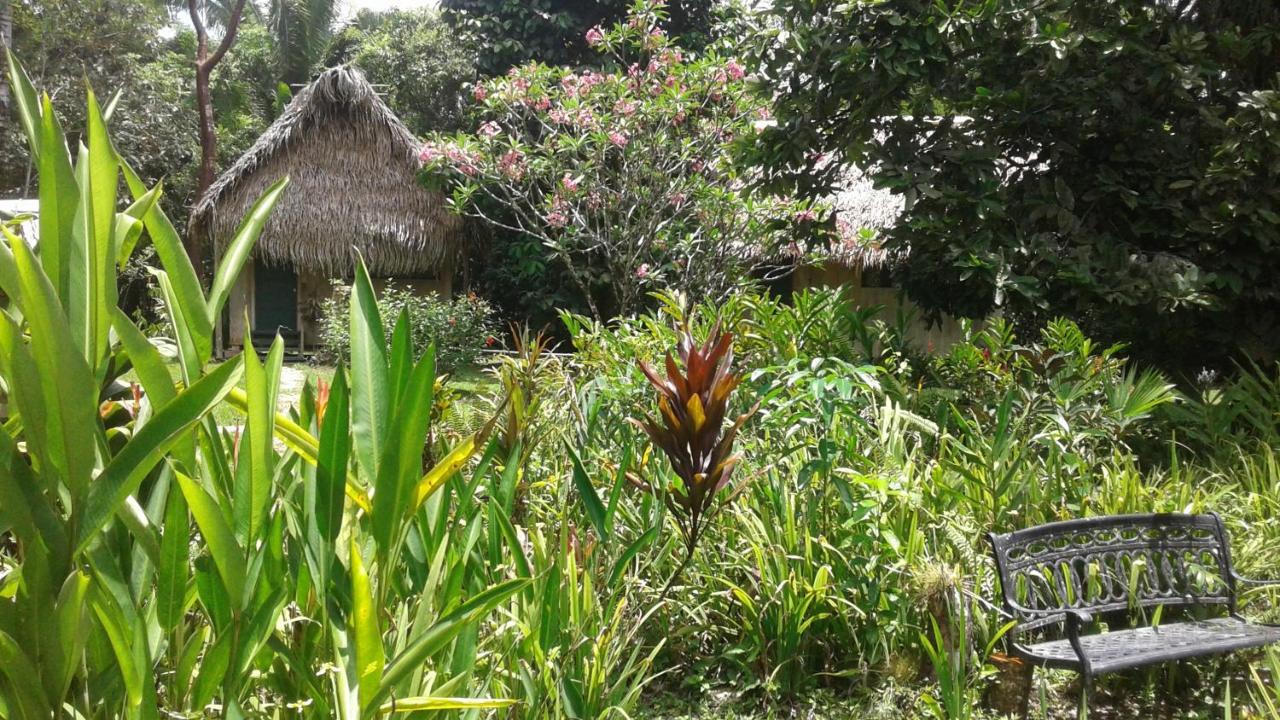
x,y
275,303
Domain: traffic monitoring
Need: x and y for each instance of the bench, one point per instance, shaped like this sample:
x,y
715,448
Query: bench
x,y
1058,579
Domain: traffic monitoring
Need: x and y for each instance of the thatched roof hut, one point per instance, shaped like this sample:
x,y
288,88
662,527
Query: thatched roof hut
x,y
352,167
353,187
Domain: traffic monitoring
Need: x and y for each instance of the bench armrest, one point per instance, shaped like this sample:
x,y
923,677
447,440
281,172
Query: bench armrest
x,y
1074,620
1255,583
1082,615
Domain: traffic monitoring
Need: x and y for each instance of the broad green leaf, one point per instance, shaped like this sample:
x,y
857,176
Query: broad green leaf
x,y
146,360
104,180
261,386
26,390
9,282
256,632
213,669
171,576
177,266
211,591
301,442
59,197
227,555
190,352
590,500
331,464
29,700
66,381
25,506
71,631
363,629
131,222
508,531
414,704
135,519
401,359
15,512
127,469
23,97
153,374
402,458
237,251
118,629
445,629
370,404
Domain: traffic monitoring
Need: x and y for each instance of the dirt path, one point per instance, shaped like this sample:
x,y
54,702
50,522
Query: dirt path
x,y
291,382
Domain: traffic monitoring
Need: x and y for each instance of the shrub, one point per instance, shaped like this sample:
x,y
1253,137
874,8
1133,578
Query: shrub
x,y
460,326
627,176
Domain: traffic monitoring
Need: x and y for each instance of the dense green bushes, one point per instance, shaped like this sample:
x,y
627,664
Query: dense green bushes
x,y
1114,161
877,470
459,327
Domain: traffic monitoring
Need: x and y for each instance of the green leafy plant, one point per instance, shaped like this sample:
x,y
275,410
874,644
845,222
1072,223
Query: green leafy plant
x,y
626,178
85,483
459,327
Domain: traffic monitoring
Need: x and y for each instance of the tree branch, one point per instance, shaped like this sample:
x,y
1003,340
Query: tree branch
x,y
230,37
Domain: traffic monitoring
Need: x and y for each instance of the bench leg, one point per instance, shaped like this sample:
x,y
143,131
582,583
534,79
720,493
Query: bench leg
x,y
1086,693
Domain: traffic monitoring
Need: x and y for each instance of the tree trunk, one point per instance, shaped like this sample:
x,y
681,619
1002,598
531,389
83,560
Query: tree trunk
x,y
205,63
208,148
6,40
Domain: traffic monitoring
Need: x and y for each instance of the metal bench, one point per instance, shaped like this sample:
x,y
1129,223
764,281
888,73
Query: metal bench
x,y
1057,579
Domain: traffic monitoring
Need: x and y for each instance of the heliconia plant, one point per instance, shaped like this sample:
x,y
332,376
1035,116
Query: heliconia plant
x,y
690,429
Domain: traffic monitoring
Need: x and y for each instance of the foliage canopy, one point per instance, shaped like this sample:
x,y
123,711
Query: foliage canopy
x,y
1115,161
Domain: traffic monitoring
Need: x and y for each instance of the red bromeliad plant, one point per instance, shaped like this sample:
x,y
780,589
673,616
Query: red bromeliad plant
x,y
691,429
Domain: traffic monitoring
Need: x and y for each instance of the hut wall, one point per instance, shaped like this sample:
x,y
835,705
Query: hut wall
x,y
826,275
936,337
314,288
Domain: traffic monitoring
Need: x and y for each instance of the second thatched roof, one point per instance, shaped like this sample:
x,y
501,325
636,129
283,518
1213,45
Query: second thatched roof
x,y
352,167
863,213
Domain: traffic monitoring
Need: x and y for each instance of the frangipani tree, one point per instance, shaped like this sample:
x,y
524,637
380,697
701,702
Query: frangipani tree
x,y
627,175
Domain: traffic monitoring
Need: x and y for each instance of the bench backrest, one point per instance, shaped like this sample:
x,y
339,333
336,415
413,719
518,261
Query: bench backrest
x,y
1114,563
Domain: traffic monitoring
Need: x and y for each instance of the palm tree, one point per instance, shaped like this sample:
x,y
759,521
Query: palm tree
x,y
302,29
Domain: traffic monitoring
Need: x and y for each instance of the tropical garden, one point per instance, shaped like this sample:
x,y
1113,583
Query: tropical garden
x,y
626,476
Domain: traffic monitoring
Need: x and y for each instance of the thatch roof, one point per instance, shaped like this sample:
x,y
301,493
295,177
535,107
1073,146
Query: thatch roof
x,y
352,167
863,213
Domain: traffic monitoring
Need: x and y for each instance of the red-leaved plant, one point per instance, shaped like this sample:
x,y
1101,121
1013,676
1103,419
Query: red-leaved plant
x,y
691,430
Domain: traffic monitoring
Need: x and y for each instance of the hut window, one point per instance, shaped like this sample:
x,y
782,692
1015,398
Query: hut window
x,y
878,277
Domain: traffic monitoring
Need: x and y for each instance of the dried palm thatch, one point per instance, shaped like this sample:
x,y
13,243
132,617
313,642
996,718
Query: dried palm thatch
x,y
863,213
352,167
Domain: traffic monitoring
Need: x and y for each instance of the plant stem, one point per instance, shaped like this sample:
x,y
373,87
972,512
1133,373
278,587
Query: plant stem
x,y
688,557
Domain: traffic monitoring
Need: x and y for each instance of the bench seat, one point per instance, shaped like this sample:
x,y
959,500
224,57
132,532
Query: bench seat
x,y
1055,579
1138,647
